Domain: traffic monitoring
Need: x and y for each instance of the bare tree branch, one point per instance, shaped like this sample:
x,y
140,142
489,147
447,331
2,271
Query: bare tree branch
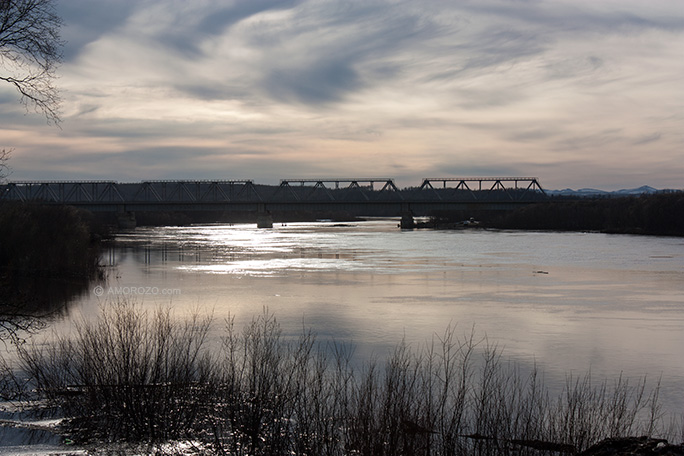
x,y
30,51
5,170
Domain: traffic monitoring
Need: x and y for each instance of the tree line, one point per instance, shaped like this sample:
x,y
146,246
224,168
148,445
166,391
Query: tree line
x,y
47,254
656,214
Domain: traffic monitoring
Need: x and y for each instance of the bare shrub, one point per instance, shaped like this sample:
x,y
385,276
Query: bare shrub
x,y
139,377
262,380
129,376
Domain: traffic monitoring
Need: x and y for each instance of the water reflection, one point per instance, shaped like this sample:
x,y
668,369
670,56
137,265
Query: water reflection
x,y
32,302
22,426
28,304
11,436
601,303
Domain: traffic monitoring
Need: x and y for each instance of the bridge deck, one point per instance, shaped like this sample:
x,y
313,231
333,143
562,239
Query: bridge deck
x,y
331,193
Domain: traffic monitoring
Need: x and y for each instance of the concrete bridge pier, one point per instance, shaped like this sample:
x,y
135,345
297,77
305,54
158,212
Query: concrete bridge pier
x,y
126,219
264,217
264,220
407,222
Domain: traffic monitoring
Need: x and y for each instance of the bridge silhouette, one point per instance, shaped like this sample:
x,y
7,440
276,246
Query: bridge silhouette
x,y
353,196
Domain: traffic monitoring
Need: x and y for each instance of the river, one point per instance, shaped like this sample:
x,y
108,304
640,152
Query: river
x,y
566,302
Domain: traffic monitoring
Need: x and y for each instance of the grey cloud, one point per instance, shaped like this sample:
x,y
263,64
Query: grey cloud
x,y
372,42
85,21
212,91
382,44
648,139
511,31
319,64
330,50
145,163
216,22
85,110
483,53
13,114
487,98
316,83
494,47
533,134
133,129
590,140
10,106
186,36
572,68
84,127
169,158
574,18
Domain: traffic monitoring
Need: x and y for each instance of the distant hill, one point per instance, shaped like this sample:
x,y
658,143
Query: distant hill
x,y
644,189
638,191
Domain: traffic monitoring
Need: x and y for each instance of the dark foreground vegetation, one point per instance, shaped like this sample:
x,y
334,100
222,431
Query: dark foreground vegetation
x,y
657,214
47,255
141,378
47,241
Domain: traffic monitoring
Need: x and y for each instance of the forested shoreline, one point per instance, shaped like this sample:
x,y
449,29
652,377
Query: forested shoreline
x,y
657,214
48,241
660,214
48,254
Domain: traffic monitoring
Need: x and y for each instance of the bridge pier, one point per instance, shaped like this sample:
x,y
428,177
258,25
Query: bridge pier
x,y
264,217
126,220
407,222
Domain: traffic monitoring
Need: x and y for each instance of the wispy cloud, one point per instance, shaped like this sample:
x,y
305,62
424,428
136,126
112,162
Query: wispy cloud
x,y
265,88
648,139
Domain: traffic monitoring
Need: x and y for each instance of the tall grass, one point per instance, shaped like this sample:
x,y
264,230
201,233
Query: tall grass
x,y
137,377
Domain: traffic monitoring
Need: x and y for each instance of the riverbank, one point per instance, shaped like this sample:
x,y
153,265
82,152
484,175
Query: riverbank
x,y
48,254
48,241
659,214
148,379
648,214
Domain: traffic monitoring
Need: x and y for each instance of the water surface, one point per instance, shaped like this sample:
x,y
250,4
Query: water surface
x,y
567,302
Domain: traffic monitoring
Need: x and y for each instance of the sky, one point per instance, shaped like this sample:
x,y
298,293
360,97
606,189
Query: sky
x,y
577,93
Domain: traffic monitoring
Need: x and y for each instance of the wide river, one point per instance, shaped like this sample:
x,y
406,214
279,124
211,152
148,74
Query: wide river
x,y
569,302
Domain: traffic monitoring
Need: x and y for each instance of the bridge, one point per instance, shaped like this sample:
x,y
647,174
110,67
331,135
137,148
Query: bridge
x,y
352,196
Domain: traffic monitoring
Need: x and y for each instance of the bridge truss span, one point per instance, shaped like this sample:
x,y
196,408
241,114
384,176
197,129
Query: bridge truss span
x,y
64,192
514,188
194,191
111,192
337,189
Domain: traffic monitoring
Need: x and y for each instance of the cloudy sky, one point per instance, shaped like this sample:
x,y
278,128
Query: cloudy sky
x,y
578,93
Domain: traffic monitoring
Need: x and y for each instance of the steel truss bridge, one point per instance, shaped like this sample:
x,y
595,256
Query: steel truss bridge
x,y
355,196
